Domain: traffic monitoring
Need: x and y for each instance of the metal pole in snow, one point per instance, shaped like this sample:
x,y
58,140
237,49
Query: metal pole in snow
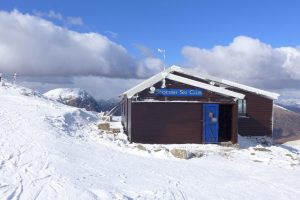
x,y
15,78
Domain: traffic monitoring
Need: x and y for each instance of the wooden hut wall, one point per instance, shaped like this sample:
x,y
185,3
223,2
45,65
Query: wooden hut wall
x,y
259,109
166,123
259,116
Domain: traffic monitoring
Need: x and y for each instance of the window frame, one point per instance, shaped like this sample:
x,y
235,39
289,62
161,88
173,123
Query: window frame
x,y
242,108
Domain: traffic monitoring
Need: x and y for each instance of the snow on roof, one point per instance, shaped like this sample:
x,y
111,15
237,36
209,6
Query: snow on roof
x,y
166,74
147,83
205,86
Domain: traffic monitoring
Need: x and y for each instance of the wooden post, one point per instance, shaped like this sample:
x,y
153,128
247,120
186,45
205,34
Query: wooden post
x,y
234,124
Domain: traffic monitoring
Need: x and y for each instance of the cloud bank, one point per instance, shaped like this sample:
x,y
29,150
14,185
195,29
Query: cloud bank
x,y
99,87
50,56
32,46
249,61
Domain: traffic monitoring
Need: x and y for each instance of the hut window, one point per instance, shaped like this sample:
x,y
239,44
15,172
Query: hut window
x,y
242,107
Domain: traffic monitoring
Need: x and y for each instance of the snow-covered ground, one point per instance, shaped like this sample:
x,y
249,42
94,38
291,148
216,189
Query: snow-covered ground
x,y
52,151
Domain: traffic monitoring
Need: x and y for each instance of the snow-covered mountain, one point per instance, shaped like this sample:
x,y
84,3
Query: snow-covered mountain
x,y
73,97
290,104
52,151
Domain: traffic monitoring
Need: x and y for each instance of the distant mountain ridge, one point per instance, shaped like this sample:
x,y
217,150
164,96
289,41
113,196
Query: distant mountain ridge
x,y
80,98
73,97
290,104
107,105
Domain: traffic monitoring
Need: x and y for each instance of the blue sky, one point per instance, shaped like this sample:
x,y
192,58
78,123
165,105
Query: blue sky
x,y
54,43
174,24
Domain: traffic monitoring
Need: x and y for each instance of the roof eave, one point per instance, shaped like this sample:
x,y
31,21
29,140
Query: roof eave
x,y
205,86
158,77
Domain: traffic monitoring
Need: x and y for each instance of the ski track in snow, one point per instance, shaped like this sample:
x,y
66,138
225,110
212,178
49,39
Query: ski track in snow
x,y
52,151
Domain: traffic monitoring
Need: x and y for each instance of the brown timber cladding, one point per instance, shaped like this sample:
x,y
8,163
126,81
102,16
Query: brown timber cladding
x,y
259,109
165,123
258,121
169,122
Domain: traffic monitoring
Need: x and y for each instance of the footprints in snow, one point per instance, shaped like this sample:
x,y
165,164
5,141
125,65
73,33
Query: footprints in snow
x,y
123,178
18,171
10,192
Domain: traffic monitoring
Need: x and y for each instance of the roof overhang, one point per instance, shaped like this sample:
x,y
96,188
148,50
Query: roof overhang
x,y
220,90
205,86
145,84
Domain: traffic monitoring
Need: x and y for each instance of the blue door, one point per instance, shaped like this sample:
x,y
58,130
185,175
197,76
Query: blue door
x,y
210,123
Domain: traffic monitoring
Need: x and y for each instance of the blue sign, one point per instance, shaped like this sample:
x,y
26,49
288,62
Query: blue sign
x,y
178,92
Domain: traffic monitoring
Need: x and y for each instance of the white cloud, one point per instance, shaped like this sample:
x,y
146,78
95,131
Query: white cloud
x,y
56,56
148,65
249,61
144,50
75,21
111,34
99,87
50,14
289,93
34,46
55,15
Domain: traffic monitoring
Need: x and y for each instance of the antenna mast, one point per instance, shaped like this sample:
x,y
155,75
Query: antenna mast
x,y
163,51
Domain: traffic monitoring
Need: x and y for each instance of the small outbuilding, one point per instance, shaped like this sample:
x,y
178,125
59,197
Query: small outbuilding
x,y
178,106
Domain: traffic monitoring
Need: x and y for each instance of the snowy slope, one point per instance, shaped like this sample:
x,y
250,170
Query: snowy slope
x,y
73,97
52,151
286,125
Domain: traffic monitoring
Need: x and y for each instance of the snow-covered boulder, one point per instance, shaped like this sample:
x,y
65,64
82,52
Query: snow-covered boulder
x,y
73,97
180,153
